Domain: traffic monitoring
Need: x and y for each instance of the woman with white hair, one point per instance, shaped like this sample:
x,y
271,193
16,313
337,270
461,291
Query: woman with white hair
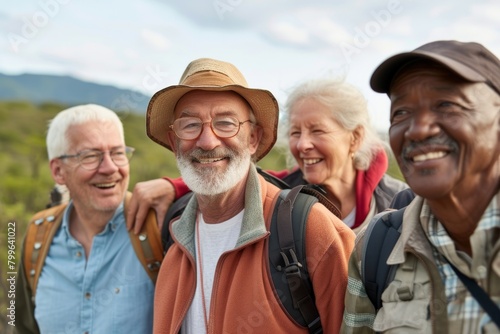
x,y
327,125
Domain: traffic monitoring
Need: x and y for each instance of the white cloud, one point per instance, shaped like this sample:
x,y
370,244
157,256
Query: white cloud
x,y
402,26
489,11
286,31
466,31
440,10
155,39
322,25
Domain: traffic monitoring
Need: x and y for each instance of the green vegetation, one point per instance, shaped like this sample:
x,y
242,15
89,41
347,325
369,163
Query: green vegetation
x,y
26,183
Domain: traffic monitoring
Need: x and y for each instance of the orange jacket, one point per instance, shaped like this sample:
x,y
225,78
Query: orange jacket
x,y
243,299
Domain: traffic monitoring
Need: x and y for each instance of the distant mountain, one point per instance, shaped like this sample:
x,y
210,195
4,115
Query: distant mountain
x,y
67,90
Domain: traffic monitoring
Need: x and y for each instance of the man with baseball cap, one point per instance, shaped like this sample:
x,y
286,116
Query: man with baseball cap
x,y
215,277
445,134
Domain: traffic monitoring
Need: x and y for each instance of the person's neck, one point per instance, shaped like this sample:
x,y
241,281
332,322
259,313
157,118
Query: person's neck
x,y
221,207
342,190
84,225
460,213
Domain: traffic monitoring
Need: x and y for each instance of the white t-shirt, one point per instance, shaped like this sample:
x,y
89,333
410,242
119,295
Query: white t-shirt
x,y
215,239
350,218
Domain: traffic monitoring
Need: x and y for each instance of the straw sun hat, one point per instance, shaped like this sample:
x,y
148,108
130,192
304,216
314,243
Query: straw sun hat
x,y
212,75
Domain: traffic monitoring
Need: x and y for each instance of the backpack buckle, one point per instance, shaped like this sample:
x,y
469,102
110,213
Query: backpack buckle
x,y
291,266
405,293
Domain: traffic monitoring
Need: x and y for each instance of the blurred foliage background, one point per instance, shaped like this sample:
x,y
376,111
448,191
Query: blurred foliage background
x,y
26,183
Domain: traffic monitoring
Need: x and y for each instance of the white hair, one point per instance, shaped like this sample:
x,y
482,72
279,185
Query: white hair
x,y
57,134
349,108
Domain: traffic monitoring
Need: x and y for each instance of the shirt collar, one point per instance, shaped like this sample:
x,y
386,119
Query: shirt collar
x,y
482,240
111,226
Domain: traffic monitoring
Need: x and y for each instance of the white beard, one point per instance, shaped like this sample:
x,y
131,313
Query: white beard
x,y
210,181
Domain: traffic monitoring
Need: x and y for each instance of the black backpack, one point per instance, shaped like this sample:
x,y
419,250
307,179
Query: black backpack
x,y
287,258
379,240
380,237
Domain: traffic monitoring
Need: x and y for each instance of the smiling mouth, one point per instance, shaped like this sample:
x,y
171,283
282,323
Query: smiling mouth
x,y
308,162
429,156
105,185
209,160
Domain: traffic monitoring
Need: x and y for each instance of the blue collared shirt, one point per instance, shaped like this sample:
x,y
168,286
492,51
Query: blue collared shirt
x,y
110,292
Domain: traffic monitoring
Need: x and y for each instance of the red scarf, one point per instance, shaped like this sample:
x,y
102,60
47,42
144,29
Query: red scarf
x,y
366,182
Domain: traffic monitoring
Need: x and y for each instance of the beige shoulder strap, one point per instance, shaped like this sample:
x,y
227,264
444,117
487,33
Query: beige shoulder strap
x,y
39,235
147,244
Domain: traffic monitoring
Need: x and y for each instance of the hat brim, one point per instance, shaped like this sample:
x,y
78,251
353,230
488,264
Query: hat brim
x,y
160,113
383,75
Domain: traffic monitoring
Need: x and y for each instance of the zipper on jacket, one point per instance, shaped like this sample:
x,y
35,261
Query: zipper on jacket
x,y
190,301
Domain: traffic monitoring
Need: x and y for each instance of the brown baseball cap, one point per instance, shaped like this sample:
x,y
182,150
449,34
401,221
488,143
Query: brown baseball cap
x,y
472,61
212,75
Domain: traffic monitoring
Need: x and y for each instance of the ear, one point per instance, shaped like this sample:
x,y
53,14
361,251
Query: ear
x,y
57,171
358,135
255,138
171,137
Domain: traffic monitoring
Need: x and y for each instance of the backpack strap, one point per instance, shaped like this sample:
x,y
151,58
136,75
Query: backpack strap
x,y
39,235
174,212
479,295
147,244
320,194
272,179
44,225
380,237
288,259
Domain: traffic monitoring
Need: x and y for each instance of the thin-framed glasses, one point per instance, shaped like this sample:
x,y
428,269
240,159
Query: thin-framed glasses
x,y
92,159
190,128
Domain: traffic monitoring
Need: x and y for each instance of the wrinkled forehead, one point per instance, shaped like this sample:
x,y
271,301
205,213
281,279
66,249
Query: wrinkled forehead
x,y
94,134
424,68
197,101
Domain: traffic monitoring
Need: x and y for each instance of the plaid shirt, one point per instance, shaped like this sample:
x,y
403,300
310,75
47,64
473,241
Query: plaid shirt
x,y
465,315
464,312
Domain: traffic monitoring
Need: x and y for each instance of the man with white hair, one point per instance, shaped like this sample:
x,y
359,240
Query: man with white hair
x,y
91,280
215,276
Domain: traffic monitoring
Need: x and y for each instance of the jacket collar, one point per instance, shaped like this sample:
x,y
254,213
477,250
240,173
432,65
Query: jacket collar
x,y
253,225
253,219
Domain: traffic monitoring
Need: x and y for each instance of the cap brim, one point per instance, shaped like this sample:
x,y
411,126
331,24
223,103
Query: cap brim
x,y
383,75
160,113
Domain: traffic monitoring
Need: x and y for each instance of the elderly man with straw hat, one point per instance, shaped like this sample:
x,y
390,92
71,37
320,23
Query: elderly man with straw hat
x,y
215,277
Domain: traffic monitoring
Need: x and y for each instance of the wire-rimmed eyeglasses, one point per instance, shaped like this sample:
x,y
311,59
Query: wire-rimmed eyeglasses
x,y
92,159
190,128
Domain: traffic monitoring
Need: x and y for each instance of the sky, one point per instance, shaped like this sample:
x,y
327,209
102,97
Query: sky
x,y
145,45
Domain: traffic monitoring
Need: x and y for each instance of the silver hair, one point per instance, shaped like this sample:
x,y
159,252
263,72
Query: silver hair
x,y
57,134
349,108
